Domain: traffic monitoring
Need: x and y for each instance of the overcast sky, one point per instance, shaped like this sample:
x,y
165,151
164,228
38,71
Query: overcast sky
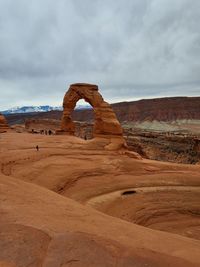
x,y
132,49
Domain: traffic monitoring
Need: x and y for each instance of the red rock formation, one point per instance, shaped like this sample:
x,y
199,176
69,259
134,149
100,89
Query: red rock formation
x,y
3,124
106,124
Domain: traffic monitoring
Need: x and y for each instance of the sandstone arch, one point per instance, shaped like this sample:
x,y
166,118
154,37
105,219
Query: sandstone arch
x,y
106,124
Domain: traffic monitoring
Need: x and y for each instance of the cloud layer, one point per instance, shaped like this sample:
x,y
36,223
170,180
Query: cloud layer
x,y
132,49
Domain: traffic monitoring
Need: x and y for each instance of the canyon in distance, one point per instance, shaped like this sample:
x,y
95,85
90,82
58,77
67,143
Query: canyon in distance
x,y
115,185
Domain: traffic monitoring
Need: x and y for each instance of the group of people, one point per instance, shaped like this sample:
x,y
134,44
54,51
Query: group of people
x,y
46,132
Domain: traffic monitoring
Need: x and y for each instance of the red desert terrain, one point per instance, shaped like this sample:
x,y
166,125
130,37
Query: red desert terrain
x,y
79,203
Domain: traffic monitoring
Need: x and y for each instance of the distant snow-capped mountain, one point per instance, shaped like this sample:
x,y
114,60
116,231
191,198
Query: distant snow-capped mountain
x,y
30,109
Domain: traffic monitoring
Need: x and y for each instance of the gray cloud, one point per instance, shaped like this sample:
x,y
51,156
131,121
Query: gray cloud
x,y
132,49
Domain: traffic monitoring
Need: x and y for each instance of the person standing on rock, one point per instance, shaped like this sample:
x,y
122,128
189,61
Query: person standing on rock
x,y
37,148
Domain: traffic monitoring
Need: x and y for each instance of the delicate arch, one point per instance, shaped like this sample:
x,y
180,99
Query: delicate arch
x,y
105,120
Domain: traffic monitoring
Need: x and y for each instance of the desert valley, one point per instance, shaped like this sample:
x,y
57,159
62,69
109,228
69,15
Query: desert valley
x,y
104,187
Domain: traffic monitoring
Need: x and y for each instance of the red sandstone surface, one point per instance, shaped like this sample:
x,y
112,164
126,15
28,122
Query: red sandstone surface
x,y
48,202
67,201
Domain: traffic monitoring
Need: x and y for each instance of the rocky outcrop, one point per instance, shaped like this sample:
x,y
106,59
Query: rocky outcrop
x,y
3,124
106,124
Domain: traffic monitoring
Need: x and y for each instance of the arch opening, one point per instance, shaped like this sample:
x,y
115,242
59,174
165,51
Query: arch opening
x,y
83,118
